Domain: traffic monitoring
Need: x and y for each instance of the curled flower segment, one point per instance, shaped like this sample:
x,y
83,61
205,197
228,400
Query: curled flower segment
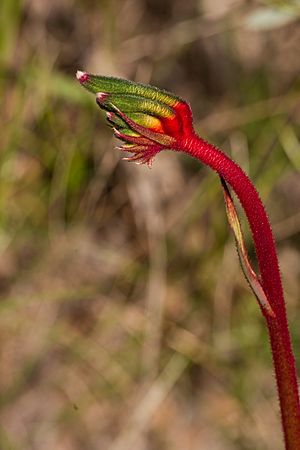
x,y
145,118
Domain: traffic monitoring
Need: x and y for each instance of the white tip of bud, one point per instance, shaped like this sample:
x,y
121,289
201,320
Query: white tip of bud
x,y
101,96
81,76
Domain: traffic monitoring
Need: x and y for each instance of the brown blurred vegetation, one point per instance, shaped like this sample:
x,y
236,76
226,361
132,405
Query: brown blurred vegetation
x,y
125,319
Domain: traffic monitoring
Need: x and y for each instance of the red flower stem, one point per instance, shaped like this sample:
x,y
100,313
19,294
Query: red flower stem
x,y
283,358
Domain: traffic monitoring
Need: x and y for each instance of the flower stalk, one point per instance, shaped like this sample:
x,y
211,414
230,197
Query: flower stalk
x,y
283,358
149,120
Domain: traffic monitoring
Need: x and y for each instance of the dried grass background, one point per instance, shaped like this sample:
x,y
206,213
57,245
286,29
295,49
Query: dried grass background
x,y
125,319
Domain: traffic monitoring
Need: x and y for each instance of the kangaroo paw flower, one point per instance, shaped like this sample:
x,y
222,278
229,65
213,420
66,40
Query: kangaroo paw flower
x,y
148,119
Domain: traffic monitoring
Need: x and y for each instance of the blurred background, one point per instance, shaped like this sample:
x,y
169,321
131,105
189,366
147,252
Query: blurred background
x,y
125,318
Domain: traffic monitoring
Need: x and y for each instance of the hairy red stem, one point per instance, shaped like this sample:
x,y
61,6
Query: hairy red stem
x,y
283,358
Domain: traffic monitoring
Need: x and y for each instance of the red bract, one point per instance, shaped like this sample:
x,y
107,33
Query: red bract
x,y
149,120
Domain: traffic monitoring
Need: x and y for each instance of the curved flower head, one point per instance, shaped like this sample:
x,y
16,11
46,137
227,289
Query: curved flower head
x,y
145,118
